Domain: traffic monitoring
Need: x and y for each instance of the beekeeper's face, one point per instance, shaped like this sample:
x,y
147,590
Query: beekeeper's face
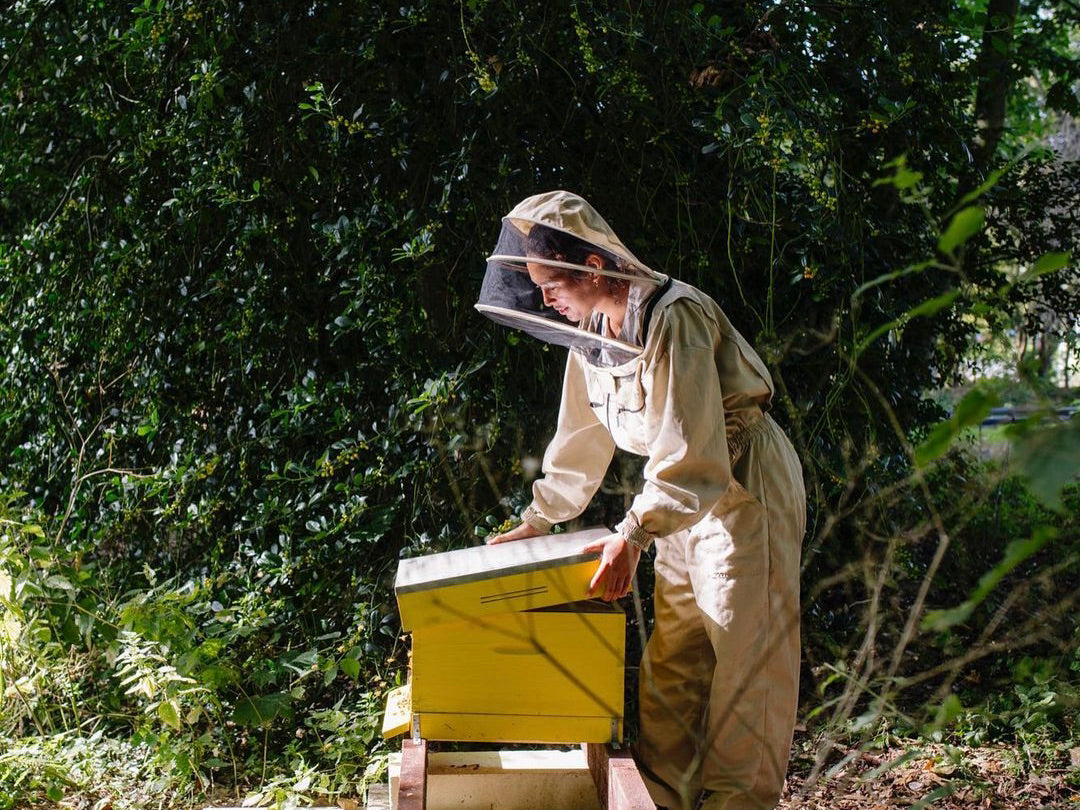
x,y
572,295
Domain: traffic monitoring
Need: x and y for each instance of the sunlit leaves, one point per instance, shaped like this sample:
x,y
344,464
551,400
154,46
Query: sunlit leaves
x,y
924,309
1045,264
969,412
903,178
964,224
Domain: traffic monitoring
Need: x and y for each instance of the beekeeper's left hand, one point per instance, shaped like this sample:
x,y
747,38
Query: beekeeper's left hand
x,y
618,562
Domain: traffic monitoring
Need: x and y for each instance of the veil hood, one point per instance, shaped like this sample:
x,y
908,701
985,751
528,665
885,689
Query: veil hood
x,y
509,297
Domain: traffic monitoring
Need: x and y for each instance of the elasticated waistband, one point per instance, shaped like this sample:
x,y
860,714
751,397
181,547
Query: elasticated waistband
x,y
739,440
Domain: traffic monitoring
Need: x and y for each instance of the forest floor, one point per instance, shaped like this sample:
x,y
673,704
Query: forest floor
x,y
931,776
910,775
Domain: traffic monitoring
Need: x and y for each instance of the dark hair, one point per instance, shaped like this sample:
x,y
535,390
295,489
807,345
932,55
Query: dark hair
x,y
549,243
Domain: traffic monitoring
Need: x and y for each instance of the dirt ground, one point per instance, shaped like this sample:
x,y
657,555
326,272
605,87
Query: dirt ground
x,y
909,776
929,776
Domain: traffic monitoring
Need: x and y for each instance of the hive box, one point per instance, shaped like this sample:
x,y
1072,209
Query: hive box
x,y
505,647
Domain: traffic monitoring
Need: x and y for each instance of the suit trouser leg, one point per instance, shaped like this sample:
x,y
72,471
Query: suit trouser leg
x,y
673,687
719,683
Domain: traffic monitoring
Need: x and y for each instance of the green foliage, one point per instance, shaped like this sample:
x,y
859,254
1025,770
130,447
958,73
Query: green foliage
x,y
1036,711
1047,457
70,765
968,412
965,224
1015,553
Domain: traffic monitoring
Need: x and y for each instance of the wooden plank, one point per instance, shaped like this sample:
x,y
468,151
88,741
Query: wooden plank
x,y
378,797
596,754
412,782
619,785
626,788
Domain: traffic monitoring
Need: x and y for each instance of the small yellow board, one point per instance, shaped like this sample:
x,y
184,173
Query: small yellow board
x,y
398,715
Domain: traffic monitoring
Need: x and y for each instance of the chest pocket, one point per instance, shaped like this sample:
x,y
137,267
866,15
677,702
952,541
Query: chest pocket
x,y
618,400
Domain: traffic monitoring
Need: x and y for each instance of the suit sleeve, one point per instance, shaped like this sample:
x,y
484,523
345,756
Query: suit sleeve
x,y
688,469
576,459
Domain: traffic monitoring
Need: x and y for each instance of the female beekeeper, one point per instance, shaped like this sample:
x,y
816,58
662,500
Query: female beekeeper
x,y
656,369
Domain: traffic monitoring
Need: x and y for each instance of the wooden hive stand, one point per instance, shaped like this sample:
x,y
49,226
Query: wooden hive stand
x,y
474,782
508,648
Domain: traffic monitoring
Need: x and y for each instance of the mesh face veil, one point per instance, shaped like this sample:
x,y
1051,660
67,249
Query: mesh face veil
x,y
559,241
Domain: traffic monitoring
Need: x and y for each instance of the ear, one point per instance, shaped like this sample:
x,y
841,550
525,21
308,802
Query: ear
x,y
594,261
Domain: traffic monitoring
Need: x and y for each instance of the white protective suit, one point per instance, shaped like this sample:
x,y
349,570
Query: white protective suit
x,y
723,499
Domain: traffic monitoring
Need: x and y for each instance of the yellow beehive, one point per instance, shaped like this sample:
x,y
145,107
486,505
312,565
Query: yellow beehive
x,y
505,650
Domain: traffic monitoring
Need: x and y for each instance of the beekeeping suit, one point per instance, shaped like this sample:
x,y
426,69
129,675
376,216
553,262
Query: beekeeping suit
x,y
722,504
